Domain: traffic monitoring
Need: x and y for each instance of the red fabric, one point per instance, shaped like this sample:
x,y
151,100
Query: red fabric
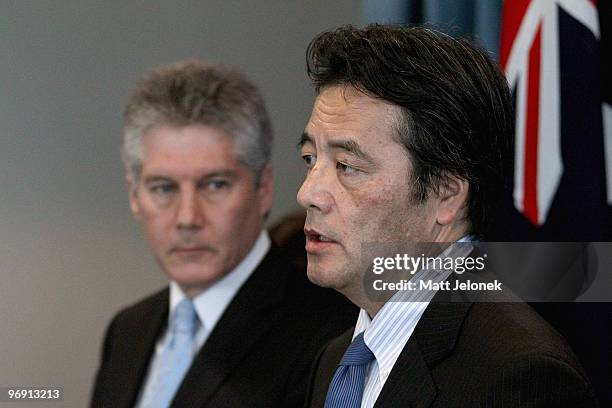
x,y
530,200
513,13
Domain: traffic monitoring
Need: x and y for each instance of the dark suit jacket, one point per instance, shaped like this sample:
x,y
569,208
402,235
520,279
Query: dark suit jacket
x,y
588,330
258,354
473,355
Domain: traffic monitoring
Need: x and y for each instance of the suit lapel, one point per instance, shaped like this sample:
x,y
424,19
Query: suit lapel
x,y
247,318
410,382
326,367
139,350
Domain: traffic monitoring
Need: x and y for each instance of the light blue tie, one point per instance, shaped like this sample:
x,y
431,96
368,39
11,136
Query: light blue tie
x,y
346,388
174,360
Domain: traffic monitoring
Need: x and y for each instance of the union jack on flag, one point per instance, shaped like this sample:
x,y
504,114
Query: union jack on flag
x,y
549,52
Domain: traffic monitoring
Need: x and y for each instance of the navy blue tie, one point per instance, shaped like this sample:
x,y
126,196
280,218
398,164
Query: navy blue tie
x,y
346,388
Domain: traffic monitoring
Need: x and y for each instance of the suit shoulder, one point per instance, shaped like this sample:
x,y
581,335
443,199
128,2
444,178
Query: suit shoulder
x,y
508,355
141,308
505,332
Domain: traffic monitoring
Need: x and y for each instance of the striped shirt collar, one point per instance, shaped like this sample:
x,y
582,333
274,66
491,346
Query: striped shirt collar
x,y
389,331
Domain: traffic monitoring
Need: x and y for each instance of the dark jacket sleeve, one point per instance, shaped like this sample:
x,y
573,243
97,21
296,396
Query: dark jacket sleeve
x,y
101,376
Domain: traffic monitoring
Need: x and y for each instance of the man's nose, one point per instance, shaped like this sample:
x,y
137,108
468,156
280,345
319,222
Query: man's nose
x,y
189,214
315,191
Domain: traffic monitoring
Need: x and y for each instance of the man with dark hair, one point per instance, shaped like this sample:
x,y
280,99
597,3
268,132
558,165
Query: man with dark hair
x,y
408,142
238,326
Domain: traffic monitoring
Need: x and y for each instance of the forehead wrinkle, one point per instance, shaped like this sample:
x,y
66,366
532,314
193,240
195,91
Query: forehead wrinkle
x,y
348,120
352,105
333,109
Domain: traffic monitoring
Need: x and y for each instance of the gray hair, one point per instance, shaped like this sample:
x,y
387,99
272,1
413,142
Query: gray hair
x,y
195,92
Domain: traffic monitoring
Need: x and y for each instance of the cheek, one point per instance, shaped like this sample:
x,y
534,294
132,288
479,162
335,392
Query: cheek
x,y
383,215
234,215
157,228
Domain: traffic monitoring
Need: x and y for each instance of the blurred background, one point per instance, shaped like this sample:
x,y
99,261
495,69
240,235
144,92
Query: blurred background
x,y
70,254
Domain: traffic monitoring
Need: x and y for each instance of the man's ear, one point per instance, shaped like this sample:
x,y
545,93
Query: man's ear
x,y
265,190
452,200
132,186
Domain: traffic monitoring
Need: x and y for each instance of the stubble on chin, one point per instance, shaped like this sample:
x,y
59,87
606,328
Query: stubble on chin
x,y
333,277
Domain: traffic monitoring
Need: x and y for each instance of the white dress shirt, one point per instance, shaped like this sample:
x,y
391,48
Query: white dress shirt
x,y
389,331
211,303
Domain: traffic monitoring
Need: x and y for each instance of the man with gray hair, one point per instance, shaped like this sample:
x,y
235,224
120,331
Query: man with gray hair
x,y
236,326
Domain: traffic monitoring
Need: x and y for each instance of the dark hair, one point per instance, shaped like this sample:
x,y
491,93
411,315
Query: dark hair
x,y
456,110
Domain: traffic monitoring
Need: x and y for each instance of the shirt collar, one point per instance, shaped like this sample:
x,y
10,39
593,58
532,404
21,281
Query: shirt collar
x,y
211,303
389,331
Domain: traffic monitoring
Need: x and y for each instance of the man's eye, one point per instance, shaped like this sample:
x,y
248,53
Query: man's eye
x,y
216,185
346,169
309,159
162,189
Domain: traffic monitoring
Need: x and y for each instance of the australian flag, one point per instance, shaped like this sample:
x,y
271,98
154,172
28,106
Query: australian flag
x,y
554,58
557,58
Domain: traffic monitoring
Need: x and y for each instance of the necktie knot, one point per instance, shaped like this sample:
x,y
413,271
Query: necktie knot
x,y
346,388
185,317
358,353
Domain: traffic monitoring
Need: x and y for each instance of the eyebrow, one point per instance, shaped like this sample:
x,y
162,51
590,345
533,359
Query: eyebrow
x,y
349,146
155,179
213,174
305,138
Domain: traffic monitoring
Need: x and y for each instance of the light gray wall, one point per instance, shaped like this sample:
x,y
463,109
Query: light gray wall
x,y
70,255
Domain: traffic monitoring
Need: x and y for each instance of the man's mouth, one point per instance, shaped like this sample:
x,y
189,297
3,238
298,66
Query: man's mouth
x,y
316,241
190,250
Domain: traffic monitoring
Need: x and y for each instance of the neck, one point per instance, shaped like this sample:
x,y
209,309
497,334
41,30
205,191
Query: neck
x,y
359,296
451,232
373,309
361,299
